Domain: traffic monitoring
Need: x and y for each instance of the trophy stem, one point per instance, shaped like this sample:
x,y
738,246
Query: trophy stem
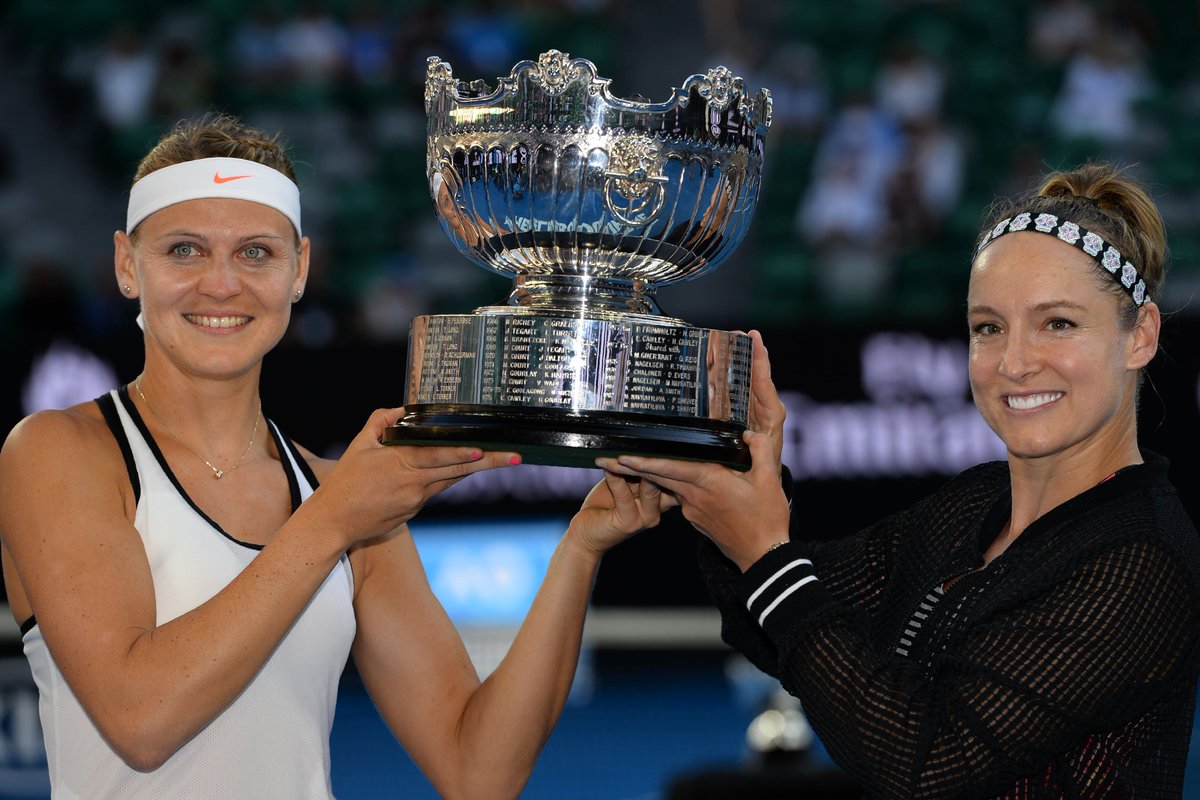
x,y
583,295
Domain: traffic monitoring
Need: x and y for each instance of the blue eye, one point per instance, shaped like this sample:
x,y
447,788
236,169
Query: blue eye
x,y
184,250
256,252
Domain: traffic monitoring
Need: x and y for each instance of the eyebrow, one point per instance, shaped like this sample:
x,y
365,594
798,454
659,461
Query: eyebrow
x,y
1049,305
178,232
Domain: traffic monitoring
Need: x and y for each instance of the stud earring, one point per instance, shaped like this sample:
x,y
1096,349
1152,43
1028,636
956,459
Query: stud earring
x,y
299,294
126,288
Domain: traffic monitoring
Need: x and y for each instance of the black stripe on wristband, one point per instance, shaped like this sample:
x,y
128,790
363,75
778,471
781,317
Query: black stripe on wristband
x,y
781,587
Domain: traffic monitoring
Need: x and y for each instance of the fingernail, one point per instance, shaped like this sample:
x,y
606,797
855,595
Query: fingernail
x,y
514,460
476,454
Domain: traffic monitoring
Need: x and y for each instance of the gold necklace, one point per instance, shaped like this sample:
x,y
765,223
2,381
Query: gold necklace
x,y
216,472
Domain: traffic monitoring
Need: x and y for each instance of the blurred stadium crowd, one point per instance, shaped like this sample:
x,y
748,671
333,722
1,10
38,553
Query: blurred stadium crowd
x,y
895,123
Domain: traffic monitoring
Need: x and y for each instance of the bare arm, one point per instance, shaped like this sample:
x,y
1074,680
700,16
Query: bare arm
x,y
482,740
65,519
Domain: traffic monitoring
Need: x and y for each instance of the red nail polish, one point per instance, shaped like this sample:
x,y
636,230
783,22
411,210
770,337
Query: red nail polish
x,y
514,460
476,454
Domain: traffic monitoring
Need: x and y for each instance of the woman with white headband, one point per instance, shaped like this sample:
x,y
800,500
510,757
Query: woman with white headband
x,y
1031,630
189,582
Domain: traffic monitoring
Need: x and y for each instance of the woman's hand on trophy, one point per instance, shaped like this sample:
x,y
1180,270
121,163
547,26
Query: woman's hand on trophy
x,y
767,411
616,508
374,488
744,513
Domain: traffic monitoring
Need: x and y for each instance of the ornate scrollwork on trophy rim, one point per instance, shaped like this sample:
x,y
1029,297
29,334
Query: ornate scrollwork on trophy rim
x,y
718,86
439,77
554,71
586,140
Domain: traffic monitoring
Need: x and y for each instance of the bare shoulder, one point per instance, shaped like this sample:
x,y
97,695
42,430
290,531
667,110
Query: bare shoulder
x,y
72,447
59,435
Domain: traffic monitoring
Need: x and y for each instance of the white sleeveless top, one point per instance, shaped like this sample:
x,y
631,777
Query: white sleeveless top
x,y
272,741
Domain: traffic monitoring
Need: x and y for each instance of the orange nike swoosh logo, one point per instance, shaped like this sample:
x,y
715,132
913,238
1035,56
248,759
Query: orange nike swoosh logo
x,y
218,179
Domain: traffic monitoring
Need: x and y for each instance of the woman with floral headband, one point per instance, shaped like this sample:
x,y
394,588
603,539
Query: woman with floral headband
x,y
189,582
1031,630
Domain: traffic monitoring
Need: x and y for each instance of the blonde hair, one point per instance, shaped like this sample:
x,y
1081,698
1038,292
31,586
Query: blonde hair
x,y
212,136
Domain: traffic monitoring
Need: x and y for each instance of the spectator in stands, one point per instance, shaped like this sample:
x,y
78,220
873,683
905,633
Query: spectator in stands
x,y
256,55
370,38
843,217
315,46
909,85
861,131
795,73
1058,28
124,80
1104,81
488,36
184,87
189,582
843,214
925,188
937,153
1031,630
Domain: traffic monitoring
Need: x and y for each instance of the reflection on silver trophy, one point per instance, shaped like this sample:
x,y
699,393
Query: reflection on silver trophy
x,y
589,203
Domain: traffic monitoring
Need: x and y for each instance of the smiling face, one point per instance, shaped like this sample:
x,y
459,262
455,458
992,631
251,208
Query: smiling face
x,y
1051,369
216,278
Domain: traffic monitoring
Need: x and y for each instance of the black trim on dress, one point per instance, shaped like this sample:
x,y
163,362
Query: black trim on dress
x,y
293,484
108,407
123,392
305,468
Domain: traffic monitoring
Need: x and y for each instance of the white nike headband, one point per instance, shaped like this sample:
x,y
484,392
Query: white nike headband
x,y
236,178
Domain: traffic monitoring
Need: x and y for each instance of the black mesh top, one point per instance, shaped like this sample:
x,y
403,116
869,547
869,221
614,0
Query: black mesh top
x,y
1065,668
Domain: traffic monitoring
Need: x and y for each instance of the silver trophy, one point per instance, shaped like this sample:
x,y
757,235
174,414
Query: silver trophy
x,y
589,203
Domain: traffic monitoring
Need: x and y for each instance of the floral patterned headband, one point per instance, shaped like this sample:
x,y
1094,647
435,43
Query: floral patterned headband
x,y
1104,253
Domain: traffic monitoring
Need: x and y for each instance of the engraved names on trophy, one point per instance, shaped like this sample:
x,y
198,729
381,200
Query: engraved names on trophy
x,y
582,364
663,370
448,350
541,362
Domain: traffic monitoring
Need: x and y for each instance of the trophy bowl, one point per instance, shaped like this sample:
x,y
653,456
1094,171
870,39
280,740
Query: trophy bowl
x,y
588,203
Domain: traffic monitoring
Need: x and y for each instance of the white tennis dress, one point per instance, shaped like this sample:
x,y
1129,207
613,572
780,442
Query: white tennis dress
x,y
272,741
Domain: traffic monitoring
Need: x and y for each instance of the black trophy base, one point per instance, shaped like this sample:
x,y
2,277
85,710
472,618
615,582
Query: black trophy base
x,y
564,438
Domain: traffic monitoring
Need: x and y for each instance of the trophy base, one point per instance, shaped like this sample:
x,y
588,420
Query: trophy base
x,y
569,438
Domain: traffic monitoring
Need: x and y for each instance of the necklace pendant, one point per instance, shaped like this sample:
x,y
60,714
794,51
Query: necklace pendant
x,y
219,473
